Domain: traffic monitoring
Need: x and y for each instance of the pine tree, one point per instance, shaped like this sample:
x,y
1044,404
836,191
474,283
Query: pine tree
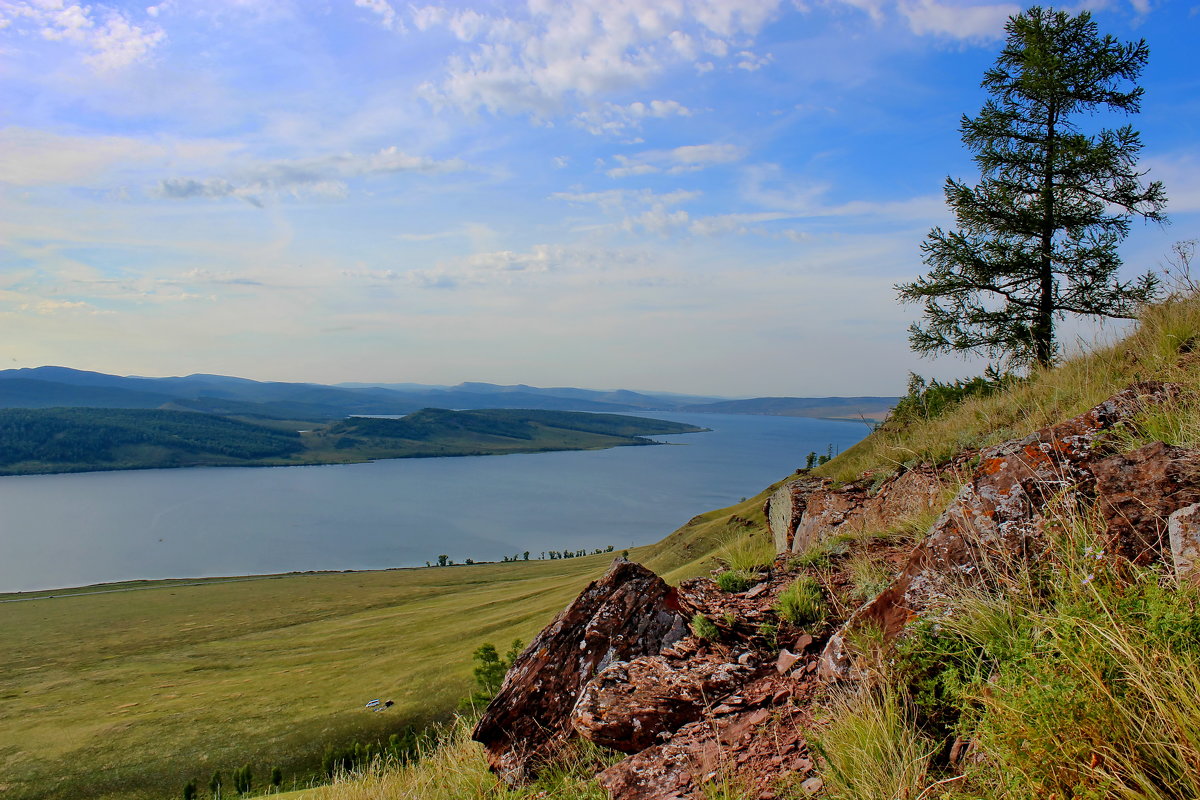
x,y
1037,237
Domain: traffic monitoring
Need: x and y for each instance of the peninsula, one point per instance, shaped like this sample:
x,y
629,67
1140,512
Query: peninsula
x,y
89,439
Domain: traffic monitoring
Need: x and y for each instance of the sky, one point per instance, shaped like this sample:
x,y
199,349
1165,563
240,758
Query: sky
x,y
698,196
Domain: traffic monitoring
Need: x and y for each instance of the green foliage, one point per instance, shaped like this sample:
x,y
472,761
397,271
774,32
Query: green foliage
x,y
70,437
821,554
243,780
868,575
802,602
189,790
276,776
1037,237
703,628
489,672
214,786
734,580
929,400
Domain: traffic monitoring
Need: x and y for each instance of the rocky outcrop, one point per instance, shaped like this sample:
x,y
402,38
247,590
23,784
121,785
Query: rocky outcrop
x,y
628,613
628,705
785,508
1138,491
690,712
995,520
806,511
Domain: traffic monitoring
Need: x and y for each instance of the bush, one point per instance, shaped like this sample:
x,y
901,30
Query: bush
x,y
704,628
801,603
735,580
929,400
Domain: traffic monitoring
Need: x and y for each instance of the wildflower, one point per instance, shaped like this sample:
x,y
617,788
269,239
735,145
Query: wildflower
x,y
1087,580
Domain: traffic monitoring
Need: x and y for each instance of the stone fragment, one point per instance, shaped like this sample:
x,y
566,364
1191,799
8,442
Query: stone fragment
x,y
812,786
628,705
785,661
803,642
1184,531
628,613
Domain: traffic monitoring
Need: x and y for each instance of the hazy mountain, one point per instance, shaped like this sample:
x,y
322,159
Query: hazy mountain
x,y
46,387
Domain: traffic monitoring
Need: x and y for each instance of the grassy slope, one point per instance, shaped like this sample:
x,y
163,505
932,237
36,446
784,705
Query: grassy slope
x,y
127,694
871,736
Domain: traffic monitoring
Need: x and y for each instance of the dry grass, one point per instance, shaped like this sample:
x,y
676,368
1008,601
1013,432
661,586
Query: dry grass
x,y
1161,348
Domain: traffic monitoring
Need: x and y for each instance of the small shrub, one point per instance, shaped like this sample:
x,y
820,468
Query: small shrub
x,y
189,790
870,576
801,603
822,553
747,552
735,581
703,628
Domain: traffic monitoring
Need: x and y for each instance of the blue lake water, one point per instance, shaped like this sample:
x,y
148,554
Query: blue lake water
x,y
79,529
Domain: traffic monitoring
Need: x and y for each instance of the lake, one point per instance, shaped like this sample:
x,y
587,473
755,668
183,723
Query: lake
x,y
80,529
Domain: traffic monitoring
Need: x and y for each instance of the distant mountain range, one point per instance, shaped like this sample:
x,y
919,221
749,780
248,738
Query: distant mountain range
x,y
50,387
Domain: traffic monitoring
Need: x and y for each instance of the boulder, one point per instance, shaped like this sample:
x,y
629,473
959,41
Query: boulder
x,y
628,613
785,507
628,705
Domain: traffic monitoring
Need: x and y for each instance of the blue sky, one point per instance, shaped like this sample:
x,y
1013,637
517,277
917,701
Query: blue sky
x,y
710,196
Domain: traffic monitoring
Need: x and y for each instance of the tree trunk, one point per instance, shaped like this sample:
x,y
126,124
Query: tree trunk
x,y
1043,324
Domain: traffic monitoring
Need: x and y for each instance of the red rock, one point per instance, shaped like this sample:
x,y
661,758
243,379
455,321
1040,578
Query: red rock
x,y
629,705
1138,491
630,612
803,642
785,661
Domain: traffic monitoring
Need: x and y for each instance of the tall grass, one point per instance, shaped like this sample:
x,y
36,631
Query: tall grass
x,y
1165,346
871,747
455,769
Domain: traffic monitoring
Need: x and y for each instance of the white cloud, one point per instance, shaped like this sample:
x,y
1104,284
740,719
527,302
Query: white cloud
x,y
109,39
568,51
312,177
31,157
614,119
688,158
978,22
383,9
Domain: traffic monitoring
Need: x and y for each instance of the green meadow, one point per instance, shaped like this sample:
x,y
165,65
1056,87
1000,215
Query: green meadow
x,y
130,693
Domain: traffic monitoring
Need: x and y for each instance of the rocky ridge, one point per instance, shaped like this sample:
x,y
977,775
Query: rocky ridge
x,y
617,668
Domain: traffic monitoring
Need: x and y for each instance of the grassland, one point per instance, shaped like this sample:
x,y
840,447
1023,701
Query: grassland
x,y
128,690
129,693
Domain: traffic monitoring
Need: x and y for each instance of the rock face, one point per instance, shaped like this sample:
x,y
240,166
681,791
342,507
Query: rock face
x,y
806,511
995,521
1140,490
628,613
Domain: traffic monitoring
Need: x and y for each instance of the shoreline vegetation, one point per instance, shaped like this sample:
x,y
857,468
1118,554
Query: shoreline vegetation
x,y
63,440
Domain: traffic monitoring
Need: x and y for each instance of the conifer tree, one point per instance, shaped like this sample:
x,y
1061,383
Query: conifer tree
x,y
1037,237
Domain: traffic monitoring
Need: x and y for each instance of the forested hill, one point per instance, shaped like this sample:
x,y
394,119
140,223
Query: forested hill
x,y
84,439
76,439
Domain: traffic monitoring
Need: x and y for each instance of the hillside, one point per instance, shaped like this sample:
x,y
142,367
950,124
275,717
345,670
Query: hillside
x,y
84,439
1055,650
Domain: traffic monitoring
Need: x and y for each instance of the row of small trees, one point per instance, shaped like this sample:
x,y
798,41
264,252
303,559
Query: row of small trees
x,y
444,560
242,779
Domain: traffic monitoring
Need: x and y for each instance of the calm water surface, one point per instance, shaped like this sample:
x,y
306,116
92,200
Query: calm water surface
x,y
72,530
